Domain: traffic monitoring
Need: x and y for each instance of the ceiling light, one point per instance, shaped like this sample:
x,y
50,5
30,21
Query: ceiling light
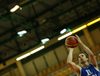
x,y
94,21
78,29
63,31
15,8
64,36
44,40
21,33
23,56
38,49
28,54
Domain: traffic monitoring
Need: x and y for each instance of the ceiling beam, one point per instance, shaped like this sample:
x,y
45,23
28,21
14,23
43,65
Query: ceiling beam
x,y
44,4
15,32
72,8
12,48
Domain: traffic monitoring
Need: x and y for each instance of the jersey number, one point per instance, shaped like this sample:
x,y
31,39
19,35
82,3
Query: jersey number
x,y
88,72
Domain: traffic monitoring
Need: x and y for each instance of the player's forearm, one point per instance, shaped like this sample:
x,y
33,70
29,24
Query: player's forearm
x,y
70,56
86,49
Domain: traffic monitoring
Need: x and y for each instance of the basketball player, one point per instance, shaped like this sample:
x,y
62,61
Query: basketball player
x,y
87,69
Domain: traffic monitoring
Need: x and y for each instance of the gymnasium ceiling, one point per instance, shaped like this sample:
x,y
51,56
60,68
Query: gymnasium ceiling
x,y
41,19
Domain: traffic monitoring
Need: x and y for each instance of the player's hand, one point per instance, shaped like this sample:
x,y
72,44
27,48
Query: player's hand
x,y
78,39
71,49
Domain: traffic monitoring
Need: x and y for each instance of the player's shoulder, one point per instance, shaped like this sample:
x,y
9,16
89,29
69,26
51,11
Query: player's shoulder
x,y
94,66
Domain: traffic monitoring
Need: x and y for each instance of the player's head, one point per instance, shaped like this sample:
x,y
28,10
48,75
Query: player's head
x,y
83,58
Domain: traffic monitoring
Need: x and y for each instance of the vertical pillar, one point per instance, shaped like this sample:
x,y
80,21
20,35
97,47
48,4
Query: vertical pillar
x,y
88,37
21,69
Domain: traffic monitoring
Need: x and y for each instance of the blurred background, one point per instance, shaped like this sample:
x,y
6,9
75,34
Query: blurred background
x,y
33,32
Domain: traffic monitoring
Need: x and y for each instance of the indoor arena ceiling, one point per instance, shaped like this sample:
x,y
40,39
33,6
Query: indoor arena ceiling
x,y
41,19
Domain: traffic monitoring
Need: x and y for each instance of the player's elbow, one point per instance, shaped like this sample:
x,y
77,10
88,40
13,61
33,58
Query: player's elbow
x,y
91,55
69,62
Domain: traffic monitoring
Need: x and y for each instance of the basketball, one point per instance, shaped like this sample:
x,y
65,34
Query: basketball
x,y
71,42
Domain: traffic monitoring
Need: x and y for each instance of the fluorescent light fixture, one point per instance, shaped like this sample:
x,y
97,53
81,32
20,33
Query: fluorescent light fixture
x,y
78,29
28,54
63,31
44,40
21,33
94,21
64,36
38,49
15,8
23,56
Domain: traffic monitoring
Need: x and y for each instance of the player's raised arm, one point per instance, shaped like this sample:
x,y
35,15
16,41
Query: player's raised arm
x,y
70,56
88,51
71,64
